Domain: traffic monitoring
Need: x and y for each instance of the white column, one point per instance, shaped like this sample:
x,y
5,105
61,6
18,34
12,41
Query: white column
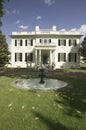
x,y
23,57
40,57
36,56
50,57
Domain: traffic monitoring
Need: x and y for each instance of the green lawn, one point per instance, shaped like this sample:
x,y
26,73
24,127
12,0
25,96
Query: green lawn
x,y
26,110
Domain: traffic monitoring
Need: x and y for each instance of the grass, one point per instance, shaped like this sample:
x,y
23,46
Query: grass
x,y
25,110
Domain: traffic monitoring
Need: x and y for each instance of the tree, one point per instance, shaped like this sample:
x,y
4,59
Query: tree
x,y
2,12
83,49
4,53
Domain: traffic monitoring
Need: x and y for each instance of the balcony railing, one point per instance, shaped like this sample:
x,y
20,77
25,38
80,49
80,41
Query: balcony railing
x,y
45,44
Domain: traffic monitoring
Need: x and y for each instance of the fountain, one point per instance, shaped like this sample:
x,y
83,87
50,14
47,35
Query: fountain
x,y
42,75
39,83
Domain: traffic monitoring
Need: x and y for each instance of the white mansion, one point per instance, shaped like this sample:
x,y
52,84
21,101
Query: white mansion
x,y
48,47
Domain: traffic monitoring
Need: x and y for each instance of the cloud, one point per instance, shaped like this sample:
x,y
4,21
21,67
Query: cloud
x,y
63,30
18,21
49,2
23,27
73,29
38,17
83,29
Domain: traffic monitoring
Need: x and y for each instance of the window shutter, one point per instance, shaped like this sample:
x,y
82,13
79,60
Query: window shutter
x,y
31,57
31,42
25,56
20,42
69,42
25,42
64,56
58,57
58,42
69,57
64,42
49,40
15,57
75,43
75,57
15,42
20,56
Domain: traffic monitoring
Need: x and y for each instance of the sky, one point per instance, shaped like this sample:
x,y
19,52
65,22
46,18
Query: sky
x,y
24,15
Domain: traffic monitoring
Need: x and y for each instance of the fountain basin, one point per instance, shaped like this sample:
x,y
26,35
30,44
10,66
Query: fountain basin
x,y
33,84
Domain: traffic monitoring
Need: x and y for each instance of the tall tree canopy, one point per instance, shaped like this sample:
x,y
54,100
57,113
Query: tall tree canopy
x,y
4,53
2,12
83,49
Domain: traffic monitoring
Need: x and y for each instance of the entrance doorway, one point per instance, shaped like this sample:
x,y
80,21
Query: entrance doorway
x,y
45,59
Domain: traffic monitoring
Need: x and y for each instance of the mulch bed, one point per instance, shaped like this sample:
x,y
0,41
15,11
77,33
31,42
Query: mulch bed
x,y
35,72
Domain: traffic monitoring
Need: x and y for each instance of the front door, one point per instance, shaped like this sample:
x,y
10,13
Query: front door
x,y
45,59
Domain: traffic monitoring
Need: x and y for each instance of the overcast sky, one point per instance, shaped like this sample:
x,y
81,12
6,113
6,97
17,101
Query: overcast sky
x,y
24,15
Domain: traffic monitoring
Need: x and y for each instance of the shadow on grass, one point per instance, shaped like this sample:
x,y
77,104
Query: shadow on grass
x,y
49,122
74,99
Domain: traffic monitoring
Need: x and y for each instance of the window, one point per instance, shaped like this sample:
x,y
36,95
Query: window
x,y
61,42
61,57
28,42
18,56
69,42
72,57
28,57
45,41
72,42
18,42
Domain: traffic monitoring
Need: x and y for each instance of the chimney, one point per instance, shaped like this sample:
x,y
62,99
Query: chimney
x,y
37,28
54,28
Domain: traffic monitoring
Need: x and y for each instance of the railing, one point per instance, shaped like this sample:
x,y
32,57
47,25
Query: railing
x,y
60,32
23,33
45,44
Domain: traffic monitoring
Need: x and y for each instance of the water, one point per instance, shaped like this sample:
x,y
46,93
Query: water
x,y
33,84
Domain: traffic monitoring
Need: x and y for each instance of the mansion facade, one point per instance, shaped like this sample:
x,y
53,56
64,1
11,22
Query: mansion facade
x,y
45,47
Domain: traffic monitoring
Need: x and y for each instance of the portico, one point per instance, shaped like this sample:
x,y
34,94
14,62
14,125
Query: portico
x,y
43,56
